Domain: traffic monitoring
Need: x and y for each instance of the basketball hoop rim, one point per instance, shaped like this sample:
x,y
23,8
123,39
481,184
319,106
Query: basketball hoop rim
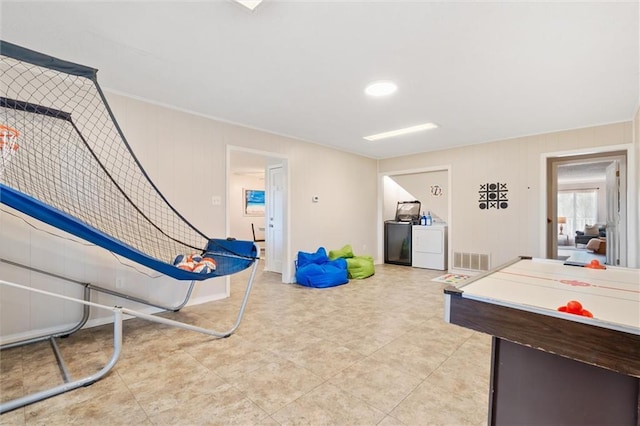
x,y
8,135
9,130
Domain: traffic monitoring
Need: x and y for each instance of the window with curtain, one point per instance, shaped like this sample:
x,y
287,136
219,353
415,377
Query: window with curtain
x,y
580,207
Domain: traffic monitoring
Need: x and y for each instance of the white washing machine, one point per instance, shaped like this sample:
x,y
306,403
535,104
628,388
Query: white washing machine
x,y
429,246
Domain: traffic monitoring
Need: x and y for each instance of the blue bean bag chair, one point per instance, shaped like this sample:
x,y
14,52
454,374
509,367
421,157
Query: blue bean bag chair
x,y
317,270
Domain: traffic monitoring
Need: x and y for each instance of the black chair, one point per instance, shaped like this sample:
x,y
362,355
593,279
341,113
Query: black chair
x,y
253,231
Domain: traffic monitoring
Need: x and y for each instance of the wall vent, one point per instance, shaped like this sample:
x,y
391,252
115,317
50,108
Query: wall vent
x,y
471,261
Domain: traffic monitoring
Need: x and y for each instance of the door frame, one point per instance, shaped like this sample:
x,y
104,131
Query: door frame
x,y
278,158
380,233
548,190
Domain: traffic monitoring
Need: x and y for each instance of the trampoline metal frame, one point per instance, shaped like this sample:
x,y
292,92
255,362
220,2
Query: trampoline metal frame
x,y
64,221
118,313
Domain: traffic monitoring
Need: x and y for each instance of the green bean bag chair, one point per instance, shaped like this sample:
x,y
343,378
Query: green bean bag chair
x,y
345,253
358,267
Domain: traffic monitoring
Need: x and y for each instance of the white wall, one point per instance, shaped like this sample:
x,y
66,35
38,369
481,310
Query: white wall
x,y
347,209
506,234
185,156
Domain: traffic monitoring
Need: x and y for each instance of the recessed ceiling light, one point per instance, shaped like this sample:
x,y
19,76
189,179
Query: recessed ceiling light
x,y
406,130
250,4
381,88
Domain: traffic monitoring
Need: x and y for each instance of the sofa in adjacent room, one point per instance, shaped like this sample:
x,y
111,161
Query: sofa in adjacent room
x,y
589,232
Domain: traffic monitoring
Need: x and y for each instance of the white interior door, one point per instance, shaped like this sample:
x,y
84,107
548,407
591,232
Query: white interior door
x,y
274,220
613,213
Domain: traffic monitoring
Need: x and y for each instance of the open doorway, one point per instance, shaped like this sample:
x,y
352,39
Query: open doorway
x,y
256,208
586,208
431,186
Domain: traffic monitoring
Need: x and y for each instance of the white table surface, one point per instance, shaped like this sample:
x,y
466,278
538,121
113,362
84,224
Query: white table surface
x,y
539,285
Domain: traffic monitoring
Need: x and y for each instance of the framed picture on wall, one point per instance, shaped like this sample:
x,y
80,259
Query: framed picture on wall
x,y
253,202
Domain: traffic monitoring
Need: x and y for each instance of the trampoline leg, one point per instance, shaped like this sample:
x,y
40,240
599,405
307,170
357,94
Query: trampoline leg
x,y
86,381
245,298
190,327
117,340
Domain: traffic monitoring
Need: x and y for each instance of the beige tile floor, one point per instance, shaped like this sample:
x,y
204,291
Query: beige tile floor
x,y
372,352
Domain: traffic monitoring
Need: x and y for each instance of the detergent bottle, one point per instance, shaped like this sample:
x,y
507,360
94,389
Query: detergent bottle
x,y
428,220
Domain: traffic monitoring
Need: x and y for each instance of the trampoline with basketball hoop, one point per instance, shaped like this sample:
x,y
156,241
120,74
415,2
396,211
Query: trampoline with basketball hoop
x,y
66,163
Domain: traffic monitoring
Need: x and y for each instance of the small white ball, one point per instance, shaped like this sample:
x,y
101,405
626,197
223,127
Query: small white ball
x,y
187,266
201,268
210,262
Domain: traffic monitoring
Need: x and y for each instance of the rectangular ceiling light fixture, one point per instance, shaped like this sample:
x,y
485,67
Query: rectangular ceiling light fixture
x,y
250,4
399,132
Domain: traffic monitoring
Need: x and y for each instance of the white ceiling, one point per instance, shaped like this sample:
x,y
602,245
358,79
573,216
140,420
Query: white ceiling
x,y
481,70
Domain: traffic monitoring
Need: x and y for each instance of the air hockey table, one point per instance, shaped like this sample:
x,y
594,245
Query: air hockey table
x,y
550,367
